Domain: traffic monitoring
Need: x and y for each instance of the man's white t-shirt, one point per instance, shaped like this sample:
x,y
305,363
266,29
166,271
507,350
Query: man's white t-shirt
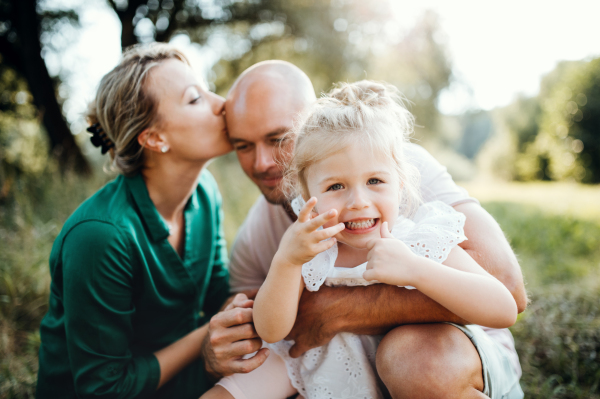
x,y
258,238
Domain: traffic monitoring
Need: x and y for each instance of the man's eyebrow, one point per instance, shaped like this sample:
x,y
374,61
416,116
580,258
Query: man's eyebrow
x,y
278,131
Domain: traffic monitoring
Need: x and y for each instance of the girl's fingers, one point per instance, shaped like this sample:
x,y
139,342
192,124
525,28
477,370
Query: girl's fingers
x,y
324,245
304,215
369,275
329,232
321,220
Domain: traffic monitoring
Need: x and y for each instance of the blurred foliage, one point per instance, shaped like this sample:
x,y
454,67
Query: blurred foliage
x,y
29,31
418,64
30,220
555,135
558,336
23,144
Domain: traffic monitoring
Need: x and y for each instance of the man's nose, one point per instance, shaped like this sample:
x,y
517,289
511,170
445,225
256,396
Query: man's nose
x,y
264,158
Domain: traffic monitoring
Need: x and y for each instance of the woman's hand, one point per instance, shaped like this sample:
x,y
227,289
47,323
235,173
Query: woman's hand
x,y
231,336
390,261
302,241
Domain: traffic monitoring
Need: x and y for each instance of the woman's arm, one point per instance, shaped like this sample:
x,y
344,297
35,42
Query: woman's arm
x,y
277,300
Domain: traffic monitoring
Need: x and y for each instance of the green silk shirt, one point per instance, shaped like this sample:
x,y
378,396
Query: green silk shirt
x,y
120,292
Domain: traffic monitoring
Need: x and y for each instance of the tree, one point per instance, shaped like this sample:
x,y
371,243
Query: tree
x,y
419,65
22,23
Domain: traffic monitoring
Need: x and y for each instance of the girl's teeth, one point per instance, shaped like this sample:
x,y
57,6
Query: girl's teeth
x,y
363,224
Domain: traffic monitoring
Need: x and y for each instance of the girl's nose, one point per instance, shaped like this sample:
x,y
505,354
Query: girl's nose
x,y
357,200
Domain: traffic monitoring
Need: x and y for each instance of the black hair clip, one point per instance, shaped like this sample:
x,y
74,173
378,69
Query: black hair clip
x,y
99,138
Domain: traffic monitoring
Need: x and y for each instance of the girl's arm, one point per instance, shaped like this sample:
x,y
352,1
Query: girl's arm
x,y
463,288
276,303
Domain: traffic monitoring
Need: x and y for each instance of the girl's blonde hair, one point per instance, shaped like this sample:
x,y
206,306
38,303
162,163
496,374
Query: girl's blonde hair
x,y
366,112
124,106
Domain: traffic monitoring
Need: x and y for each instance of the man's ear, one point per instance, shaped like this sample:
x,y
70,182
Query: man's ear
x,y
152,141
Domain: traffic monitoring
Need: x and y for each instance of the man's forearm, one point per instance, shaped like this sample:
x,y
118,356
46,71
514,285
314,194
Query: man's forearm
x,y
388,307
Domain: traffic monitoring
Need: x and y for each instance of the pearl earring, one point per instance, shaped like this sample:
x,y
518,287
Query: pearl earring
x,y
164,149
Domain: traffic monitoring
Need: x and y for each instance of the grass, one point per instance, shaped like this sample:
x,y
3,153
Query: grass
x,y
554,229
558,336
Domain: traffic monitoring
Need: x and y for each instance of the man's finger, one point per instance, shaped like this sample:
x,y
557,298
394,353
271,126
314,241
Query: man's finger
x,y
244,347
226,336
298,350
304,215
233,317
247,365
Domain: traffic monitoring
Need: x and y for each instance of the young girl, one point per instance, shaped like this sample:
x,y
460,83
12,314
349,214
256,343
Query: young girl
x,y
359,223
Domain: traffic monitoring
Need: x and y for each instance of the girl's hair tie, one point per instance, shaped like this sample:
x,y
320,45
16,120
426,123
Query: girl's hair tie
x,y
99,138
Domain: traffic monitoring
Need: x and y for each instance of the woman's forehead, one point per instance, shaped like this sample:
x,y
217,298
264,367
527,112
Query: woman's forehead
x,y
172,77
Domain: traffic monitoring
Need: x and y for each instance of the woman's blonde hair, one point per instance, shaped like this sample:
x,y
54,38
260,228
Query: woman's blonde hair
x,y
124,107
366,112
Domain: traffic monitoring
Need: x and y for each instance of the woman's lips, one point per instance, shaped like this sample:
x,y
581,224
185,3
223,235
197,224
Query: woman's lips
x,y
361,226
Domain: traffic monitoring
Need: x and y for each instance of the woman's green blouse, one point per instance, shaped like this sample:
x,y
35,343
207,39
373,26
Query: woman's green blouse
x,y
120,292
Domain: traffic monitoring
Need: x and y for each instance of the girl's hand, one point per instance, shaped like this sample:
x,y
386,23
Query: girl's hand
x,y
389,260
302,241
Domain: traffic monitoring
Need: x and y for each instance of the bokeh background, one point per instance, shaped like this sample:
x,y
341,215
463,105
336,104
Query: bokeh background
x,y
505,94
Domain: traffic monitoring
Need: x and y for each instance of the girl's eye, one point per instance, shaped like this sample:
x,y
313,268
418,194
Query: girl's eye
x,y
194,100
335,187
374,181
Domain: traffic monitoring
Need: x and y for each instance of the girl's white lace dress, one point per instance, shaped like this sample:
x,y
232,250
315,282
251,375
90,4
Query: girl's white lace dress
x,y
345,368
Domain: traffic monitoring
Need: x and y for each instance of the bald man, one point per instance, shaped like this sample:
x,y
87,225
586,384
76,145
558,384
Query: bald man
x,y
418,360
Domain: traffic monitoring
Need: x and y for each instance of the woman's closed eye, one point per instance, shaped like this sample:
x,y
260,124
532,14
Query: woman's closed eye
x,y
195,100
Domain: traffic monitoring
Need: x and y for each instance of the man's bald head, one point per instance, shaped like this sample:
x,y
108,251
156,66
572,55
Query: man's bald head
x,y
271,81
260,109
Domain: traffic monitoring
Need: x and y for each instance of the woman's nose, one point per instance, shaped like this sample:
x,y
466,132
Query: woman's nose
x,y
218,103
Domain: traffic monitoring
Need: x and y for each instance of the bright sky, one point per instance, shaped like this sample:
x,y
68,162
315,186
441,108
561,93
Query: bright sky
x,y
498,49
503,48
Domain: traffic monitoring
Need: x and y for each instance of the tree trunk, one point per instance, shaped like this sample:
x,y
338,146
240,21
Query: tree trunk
x,y
62,141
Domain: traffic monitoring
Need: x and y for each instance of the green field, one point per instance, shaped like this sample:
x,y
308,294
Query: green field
x,y
553,228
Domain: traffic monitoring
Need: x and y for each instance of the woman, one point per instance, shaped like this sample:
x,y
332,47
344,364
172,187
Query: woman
x,y
140,267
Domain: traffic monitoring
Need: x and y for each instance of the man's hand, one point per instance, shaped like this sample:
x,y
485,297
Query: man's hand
x,y
231,335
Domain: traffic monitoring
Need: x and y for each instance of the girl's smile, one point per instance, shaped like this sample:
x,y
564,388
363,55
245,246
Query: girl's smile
x,y
362,186
361,226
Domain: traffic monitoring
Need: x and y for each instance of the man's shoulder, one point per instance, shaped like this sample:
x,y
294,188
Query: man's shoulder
x,y
264,226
